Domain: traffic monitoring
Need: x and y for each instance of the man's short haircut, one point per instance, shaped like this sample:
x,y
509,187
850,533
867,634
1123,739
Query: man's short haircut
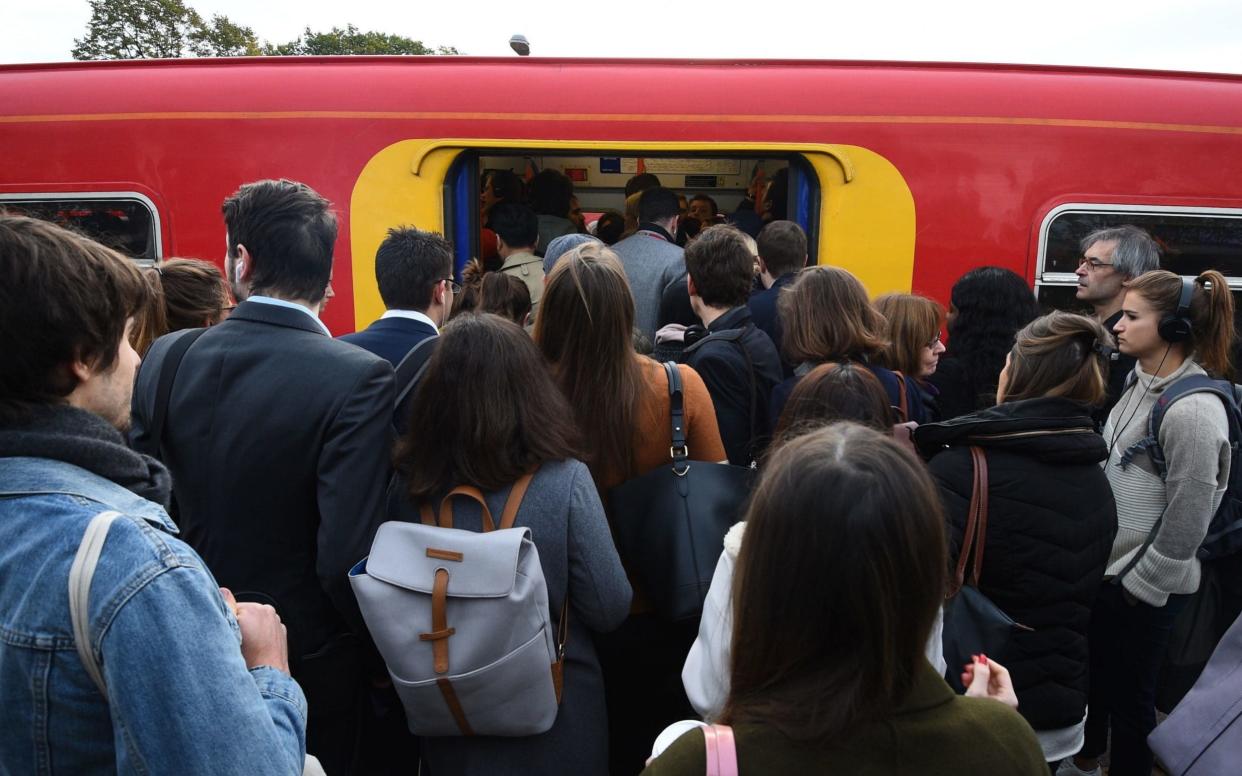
x,y
721,266
507,186
517,225
64,298
641,182
550,193
408,265
289,231
658,204
704,198
1136,251
782,246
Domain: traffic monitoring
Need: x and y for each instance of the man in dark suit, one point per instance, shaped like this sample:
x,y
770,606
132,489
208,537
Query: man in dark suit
x,y
414,271
278,439
782,252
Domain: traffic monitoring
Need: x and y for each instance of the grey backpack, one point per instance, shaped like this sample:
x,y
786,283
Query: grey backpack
x,y
461,618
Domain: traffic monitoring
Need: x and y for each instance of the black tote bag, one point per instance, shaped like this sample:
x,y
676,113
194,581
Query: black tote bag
x,y
973,624
670,522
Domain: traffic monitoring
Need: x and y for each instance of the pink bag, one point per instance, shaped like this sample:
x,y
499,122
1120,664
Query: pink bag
x,y
721,750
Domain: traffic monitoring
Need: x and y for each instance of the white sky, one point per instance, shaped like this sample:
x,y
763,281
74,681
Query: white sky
x,y
1188,35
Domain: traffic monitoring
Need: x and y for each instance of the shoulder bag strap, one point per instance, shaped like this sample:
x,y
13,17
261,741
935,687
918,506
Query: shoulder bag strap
x,y
721,750
980,502
80,575
163,390
412,367
968,535
678,450
514,501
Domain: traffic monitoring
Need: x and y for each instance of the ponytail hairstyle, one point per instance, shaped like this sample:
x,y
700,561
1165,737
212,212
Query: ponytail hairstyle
x,y
1060,354
1211,314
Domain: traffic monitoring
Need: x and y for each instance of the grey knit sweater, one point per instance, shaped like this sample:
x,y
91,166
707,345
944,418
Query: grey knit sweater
x,y
1195,439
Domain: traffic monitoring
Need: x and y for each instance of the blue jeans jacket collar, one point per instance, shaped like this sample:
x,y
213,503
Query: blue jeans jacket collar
x,y
34,476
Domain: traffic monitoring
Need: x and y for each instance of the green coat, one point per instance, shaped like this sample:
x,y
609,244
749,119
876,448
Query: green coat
x,y
933,732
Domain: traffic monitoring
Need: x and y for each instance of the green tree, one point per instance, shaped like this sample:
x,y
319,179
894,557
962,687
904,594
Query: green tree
x,y
137,29
351,40
222,38
142,29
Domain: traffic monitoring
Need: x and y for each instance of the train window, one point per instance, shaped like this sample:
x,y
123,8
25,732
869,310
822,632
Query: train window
x,y
599,184
1191,240
125,222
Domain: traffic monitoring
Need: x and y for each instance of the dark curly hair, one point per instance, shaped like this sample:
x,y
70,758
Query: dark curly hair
x,y
992,304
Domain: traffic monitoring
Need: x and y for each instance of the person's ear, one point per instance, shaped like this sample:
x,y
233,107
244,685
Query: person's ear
x,y
81,370
763,267
690,286
243,268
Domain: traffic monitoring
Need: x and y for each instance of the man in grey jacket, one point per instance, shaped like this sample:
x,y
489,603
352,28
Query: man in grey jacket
x,y
651,258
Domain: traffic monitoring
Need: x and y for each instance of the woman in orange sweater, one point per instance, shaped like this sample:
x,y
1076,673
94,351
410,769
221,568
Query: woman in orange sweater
x,y
621,406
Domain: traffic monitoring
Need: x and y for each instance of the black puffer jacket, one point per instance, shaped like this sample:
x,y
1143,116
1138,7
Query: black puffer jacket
x,y
1051,521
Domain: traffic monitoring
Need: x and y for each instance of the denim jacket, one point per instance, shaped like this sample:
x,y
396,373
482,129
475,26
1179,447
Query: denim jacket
x,y
180,699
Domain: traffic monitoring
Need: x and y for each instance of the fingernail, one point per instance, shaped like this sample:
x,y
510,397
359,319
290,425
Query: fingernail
x,y
983,659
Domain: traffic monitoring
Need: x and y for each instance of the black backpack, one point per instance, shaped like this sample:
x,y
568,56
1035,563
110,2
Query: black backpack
x,y
1224,534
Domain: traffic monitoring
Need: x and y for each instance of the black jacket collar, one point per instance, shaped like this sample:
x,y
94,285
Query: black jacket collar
x,y
1049,428
736,318
657,230
275,315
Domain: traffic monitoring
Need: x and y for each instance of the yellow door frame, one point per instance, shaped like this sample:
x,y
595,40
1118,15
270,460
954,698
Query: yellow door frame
x,y
866,218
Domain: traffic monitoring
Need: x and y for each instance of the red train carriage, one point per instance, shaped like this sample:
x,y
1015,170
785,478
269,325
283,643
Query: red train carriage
x,y
906,174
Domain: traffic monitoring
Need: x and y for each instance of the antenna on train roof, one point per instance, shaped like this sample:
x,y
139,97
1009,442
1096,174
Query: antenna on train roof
x,y
520,45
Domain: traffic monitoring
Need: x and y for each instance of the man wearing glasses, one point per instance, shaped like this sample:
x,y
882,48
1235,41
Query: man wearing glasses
x,y
1110,257
414,272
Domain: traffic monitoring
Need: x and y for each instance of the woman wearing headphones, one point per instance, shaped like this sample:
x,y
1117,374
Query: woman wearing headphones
x,y
1175,327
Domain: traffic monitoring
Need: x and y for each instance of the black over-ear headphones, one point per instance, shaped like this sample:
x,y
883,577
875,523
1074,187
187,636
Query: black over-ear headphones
x,y
1177,327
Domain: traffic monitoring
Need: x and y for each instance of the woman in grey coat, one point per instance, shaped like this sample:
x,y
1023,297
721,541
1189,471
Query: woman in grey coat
x,y
486,413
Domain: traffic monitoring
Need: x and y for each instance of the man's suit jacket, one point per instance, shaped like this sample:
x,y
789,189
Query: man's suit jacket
x,y
278,438
390,338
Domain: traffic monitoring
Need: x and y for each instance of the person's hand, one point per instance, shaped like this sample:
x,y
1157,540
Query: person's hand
x,y
264,641
985,678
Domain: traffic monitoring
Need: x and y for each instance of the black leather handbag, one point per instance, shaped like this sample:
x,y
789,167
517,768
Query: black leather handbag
x,y
670,522
973,624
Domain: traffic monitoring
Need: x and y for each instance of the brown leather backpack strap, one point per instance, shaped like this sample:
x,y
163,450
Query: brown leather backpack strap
x,y
968,536
446,506
426,514
980,460
440,631
514,501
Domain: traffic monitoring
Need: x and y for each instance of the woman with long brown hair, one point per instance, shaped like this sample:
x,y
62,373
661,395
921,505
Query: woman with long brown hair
x,y
619,405
826,318
1178,329
486,414
837,589
1051,516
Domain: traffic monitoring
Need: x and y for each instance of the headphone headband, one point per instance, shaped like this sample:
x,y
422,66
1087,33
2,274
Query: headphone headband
x,y
1177,327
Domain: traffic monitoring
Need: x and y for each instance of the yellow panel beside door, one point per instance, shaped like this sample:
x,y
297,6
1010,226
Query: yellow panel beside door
x,y
866,221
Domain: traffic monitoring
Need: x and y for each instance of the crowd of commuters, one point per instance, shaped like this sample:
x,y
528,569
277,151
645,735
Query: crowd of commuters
x,y
247,466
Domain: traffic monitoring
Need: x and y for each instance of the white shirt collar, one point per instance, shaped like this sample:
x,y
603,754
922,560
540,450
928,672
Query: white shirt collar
x,y
290,305
413,315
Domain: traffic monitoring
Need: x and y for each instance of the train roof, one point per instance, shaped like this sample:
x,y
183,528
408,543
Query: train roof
x,y
395,87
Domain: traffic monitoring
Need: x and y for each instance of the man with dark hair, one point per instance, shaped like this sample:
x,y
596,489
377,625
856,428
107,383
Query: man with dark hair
x,y
414,271
641,182
703,209
517,237
157,672
782,252
551,197
738,362
278,438
651,258
1110,257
